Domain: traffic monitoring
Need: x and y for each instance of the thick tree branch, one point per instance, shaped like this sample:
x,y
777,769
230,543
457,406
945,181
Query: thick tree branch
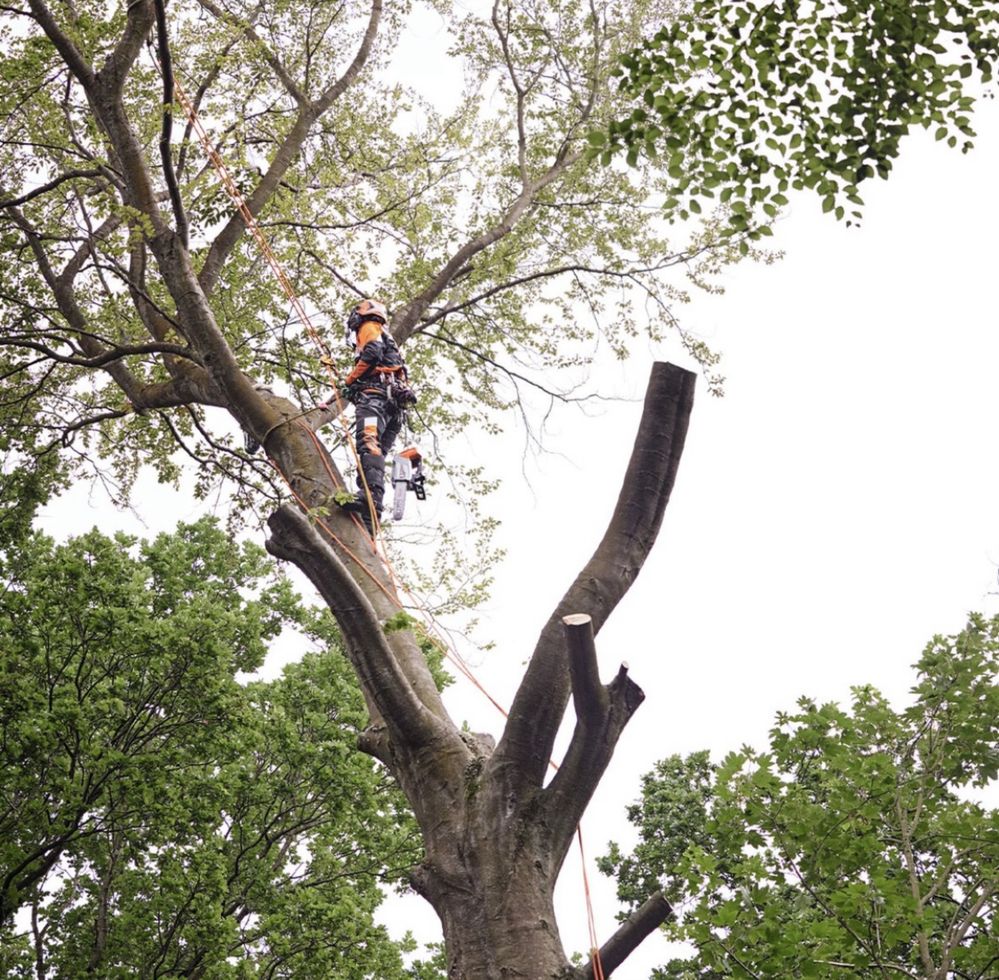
x,y
602,714
648,917
588,695
75,61
155,319
409,721
191,387
286,155
191,383
334,91
166,128
112,75
540,701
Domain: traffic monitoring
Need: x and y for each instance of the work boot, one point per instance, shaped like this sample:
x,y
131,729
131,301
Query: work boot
x,y
373,484
359,505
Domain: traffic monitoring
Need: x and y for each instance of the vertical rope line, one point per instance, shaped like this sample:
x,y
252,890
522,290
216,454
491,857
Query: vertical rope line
x,y
598,968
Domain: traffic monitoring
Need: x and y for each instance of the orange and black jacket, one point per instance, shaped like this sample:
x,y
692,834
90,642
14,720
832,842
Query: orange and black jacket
x,y
378,356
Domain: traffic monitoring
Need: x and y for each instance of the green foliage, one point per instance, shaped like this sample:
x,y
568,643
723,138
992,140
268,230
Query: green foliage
x,y
156,816
24,487
434,968
432,648
742,102
483,215
385,190
29,475
852,847
671,816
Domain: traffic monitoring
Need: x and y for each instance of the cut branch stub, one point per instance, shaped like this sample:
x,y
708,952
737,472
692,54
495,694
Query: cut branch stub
x,y
588,696
644,920
601,716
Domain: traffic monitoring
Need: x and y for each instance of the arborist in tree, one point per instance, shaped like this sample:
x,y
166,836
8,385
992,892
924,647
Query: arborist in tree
x,y
379,389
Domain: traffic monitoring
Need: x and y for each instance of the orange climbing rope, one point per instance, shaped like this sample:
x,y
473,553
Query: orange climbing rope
x,y
598,967
447,649
236,196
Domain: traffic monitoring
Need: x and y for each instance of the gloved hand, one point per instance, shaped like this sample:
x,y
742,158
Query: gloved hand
x,y
322,406
345,391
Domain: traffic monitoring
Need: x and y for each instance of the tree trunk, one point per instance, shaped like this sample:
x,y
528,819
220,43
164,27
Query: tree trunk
x,y
495,834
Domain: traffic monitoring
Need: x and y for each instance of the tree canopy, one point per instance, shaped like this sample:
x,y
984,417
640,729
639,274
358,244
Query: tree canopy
x,y
853,846
141,331
157,816
362,186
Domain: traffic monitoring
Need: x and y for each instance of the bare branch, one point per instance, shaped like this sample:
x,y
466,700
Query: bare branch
x,y
98,360
62,290
14,202
248,31
540,701
629,274
648,917
514,376
67,431
404,322
960,928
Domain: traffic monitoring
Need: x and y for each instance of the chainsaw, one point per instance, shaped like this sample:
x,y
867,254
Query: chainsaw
x,y
407,474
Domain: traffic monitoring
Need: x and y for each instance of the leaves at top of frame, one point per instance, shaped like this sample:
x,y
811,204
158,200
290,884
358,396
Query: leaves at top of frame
x,y
760,98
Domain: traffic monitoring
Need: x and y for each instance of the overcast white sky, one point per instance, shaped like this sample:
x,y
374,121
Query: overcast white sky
x,y
833,511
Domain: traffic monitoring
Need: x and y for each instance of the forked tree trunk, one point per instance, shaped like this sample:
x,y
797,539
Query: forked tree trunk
x,y
495,834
